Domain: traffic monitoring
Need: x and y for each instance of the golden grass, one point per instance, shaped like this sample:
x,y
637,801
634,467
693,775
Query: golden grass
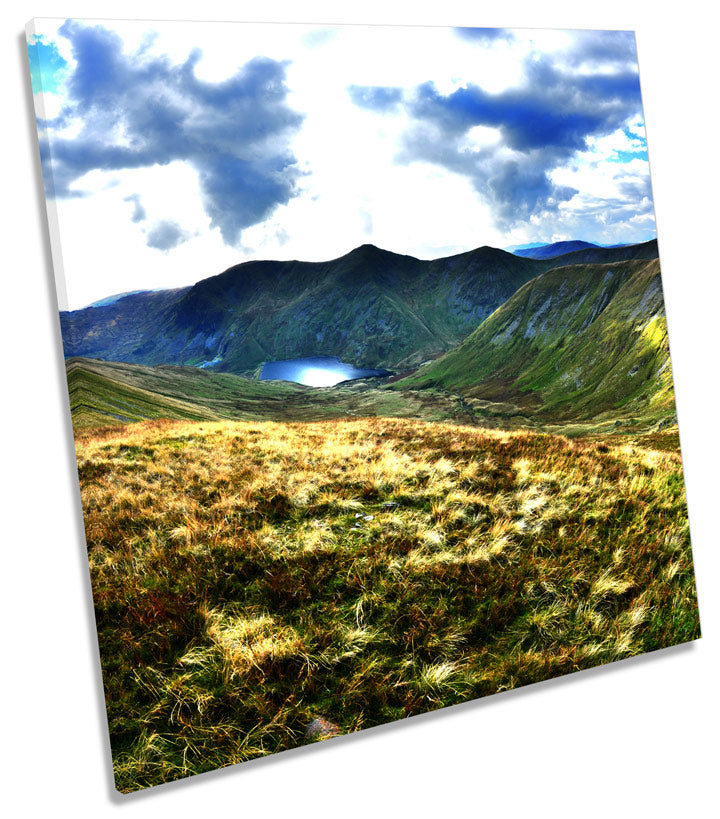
x,y
251,577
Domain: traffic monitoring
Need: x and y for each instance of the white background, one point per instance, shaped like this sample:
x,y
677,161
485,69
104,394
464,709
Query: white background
x,y
635,739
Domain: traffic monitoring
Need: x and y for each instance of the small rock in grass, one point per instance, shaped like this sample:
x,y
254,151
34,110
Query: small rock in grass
x,y
358,514
321,728
389,505
368,517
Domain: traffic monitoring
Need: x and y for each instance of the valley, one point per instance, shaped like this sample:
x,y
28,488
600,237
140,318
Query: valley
x,y
580,348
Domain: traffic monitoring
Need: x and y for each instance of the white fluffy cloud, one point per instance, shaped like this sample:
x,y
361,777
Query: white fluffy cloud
x,y
166,225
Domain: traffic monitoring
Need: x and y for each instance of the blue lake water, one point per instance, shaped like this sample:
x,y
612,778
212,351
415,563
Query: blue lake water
x,y
320,371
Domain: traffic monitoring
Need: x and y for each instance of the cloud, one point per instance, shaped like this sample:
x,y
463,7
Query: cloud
x,y
553,109
139,214
615,203
375,98
606,48
139,111
166,235
367,222
563,102
484,35
610,217
517,185
319,37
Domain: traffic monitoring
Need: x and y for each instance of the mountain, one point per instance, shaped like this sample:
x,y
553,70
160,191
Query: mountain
x,y
116,297
528,246
644,250
569,344
600,255
371,308
553,250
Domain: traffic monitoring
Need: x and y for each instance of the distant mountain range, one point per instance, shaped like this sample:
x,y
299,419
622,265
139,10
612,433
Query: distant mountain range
x,y
371,308
550,251
571,343
553,250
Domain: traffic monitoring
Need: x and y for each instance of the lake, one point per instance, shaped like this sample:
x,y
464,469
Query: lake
x,y
320,371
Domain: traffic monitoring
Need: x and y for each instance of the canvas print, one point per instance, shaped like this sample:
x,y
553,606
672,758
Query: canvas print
x,y
368,368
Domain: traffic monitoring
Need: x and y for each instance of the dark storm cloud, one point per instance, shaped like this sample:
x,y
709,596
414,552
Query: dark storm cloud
x,y
553,109
166,234
542,123
139,111
376,98
139,213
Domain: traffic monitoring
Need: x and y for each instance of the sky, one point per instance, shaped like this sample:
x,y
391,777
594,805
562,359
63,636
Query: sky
x,y
171,151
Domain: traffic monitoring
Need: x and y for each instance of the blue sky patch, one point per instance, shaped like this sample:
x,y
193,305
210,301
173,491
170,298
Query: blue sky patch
x,y
47,67
628,156
638,148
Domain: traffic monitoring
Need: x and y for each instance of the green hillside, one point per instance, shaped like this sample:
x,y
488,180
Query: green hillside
x,y
109,393
570,344
104,394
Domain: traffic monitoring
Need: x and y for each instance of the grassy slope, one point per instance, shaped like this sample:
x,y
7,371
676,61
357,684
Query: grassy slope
x,y
251,577
104,393
570,344
107,393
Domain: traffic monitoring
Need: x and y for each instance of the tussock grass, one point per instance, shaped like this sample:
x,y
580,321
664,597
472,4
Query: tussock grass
x,y
250,577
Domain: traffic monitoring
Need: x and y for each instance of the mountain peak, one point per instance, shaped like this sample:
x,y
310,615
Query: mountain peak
x,y
370,250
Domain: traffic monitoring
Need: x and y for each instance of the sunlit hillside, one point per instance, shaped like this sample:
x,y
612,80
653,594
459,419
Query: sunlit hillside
x,y
260,585
573,343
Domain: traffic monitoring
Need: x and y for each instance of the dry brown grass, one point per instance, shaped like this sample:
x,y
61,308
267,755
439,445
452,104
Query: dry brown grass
x,y
250,577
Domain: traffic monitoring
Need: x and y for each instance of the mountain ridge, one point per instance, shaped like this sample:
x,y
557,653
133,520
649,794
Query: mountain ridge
x,y
550,251
370,307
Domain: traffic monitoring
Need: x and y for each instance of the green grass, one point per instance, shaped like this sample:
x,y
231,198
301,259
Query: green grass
x,y
111,393
251,577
